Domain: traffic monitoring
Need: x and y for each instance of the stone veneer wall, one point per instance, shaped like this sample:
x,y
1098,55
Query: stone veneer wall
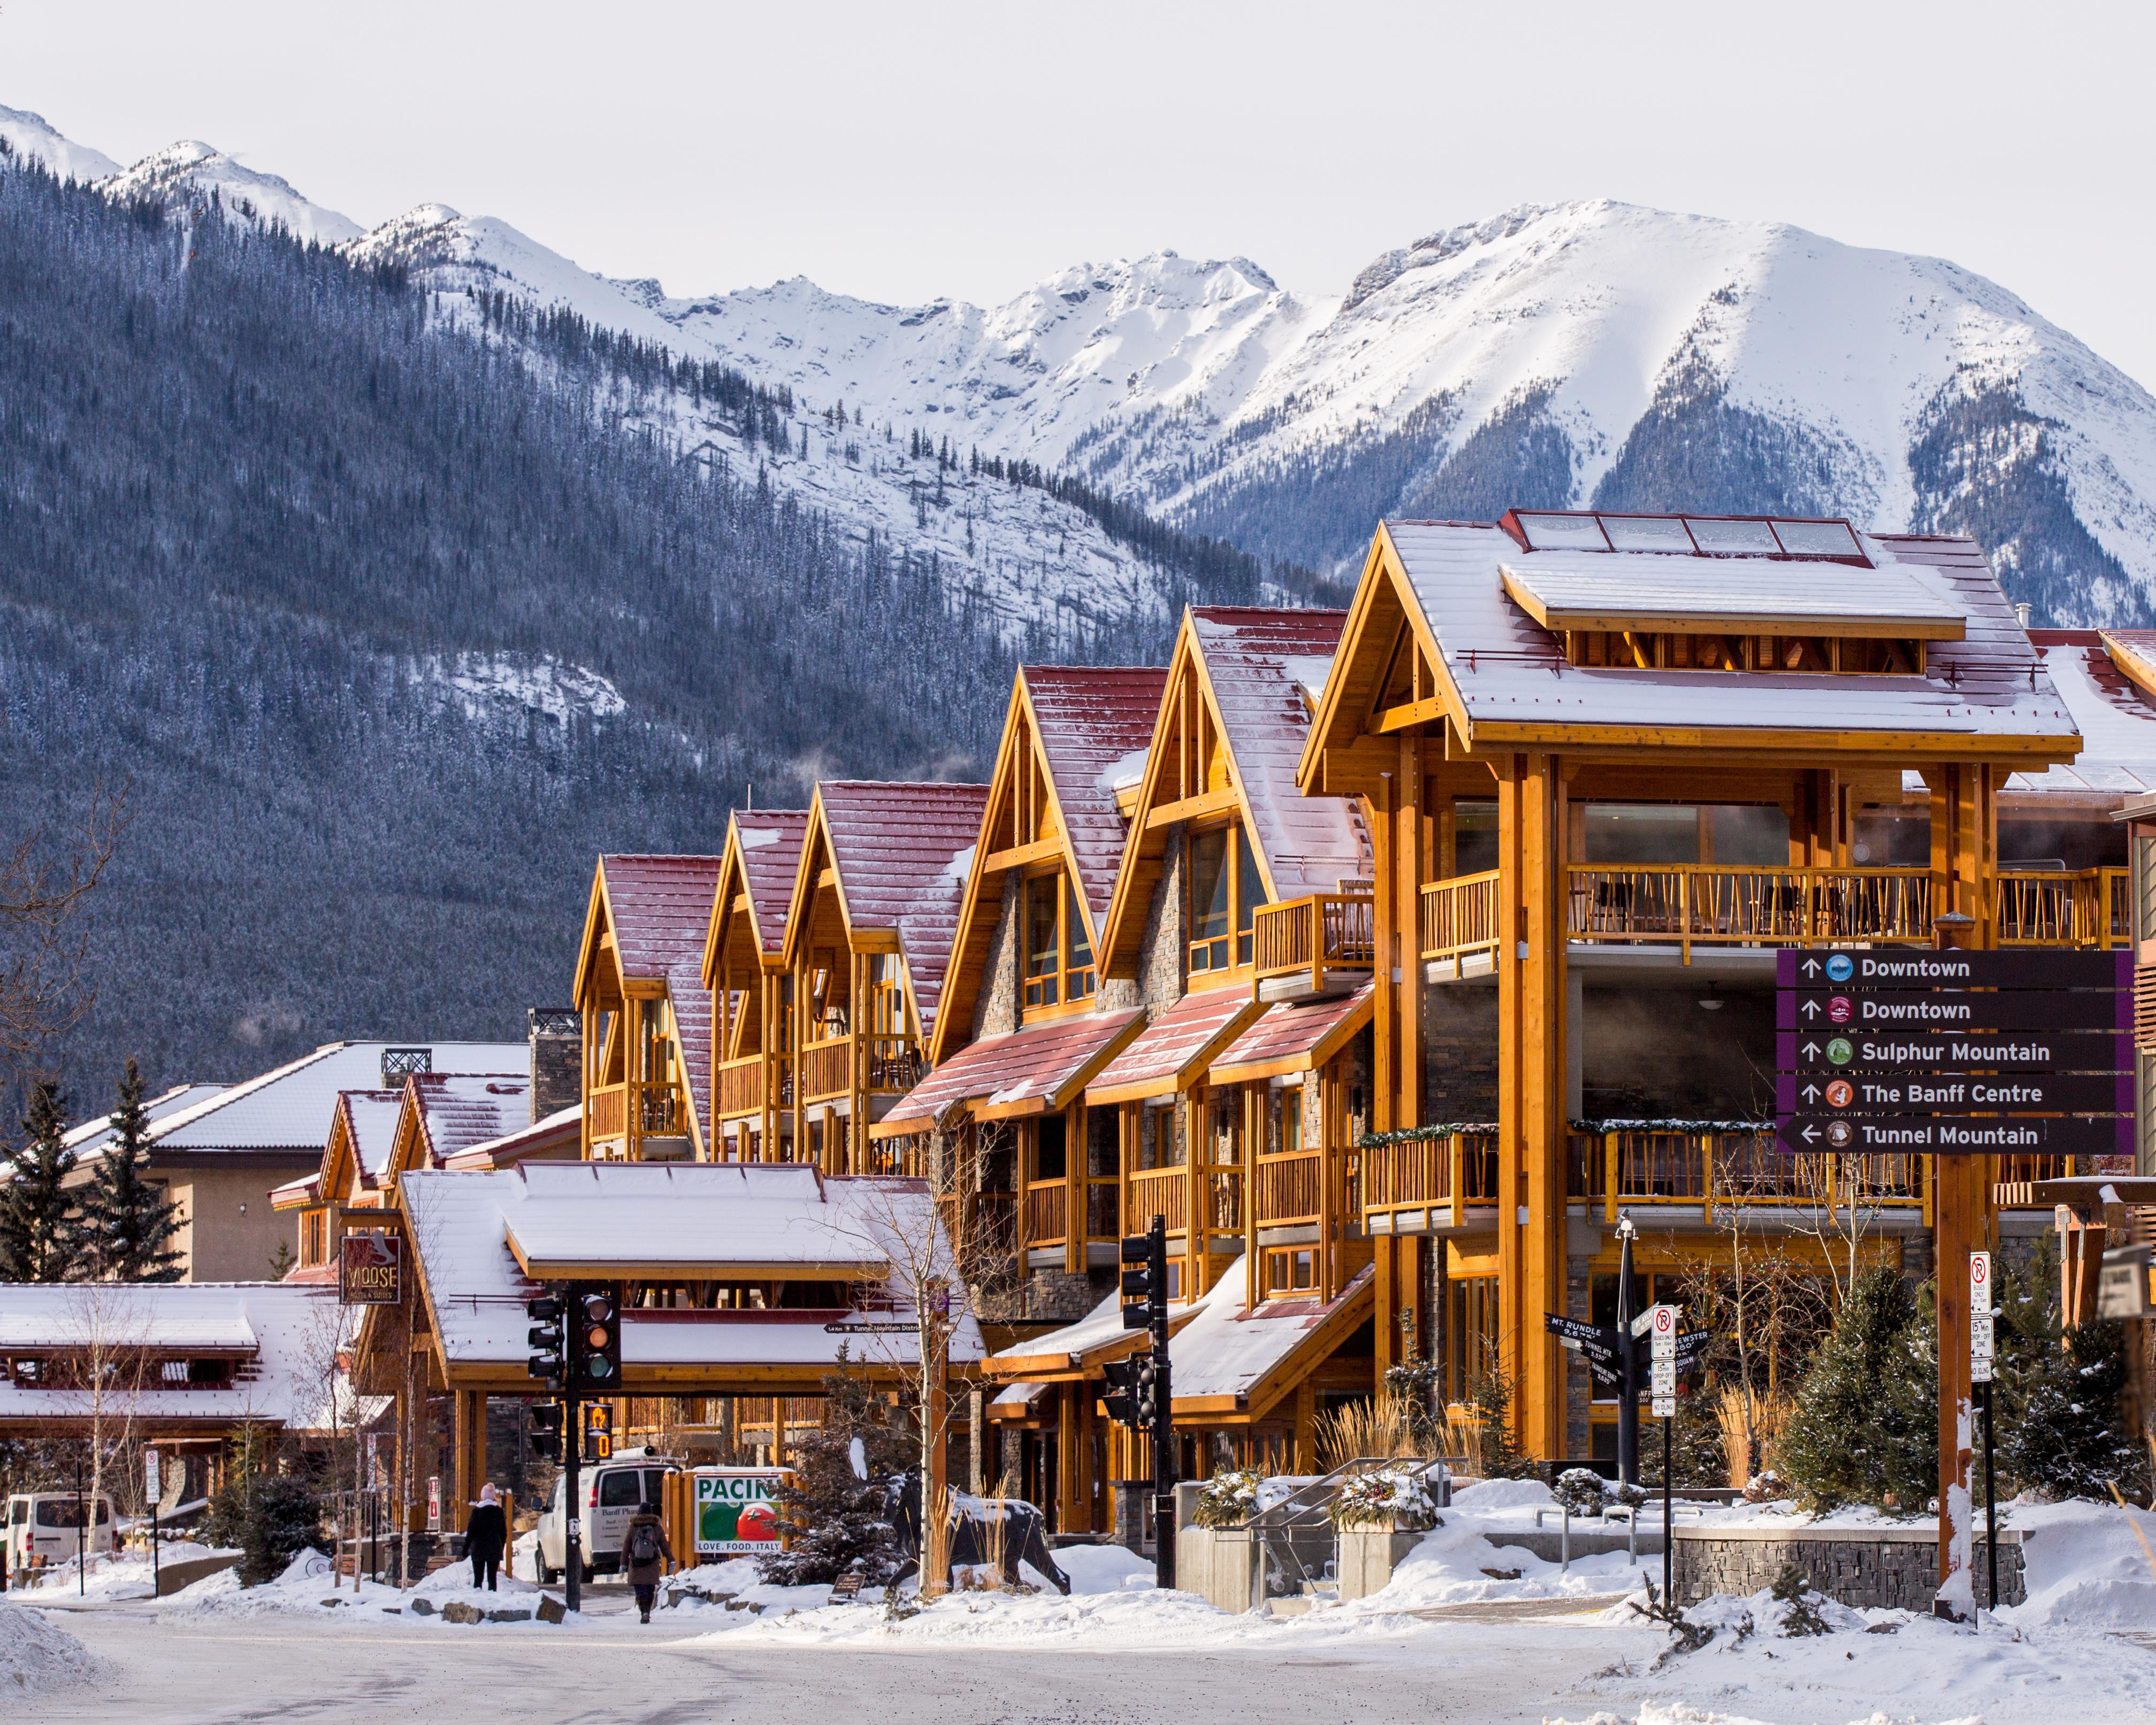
x,y
1460,1052
995,1009
1883,1569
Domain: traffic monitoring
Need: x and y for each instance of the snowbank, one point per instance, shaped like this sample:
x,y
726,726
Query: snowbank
x,y
1459,1562
37,1656
124,1577
1502,1494
2083,1568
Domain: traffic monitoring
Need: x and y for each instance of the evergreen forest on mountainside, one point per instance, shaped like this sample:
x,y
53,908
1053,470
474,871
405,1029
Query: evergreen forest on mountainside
x,y
329,583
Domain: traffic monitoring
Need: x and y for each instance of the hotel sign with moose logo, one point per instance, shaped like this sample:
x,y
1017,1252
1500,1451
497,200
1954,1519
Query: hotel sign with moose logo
x,y
370,1269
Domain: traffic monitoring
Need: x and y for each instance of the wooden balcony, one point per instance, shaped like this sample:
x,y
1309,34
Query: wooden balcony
x,y
1047,1213
1711,1169
1290,1188
2052,907
1306,947
740,1087
894,1066
1160,1191
629,1113
1685,905
1449,1173
1457,934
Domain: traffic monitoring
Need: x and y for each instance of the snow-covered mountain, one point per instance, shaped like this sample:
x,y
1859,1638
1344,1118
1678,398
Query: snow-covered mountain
x,y
1589,352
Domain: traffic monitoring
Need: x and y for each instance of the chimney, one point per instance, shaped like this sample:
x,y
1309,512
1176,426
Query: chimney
x,y
557,1060
2021,613
398,1063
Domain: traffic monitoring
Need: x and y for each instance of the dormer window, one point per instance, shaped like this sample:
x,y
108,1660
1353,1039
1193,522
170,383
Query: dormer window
x,y
1226,889
1059,952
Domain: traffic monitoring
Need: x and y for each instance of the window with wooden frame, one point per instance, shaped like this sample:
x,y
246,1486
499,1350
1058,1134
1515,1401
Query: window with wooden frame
x,y
1226,889
1051,1147
1292,1272
1471,1331
1059,952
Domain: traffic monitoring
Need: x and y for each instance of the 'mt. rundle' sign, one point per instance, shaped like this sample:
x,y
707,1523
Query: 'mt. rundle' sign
x,y
370,1269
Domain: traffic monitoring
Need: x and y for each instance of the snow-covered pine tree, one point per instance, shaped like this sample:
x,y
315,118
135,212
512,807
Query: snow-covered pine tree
x,y
1864,1430
2070,1438
127,1221
40,1239
838,1521
1503,1458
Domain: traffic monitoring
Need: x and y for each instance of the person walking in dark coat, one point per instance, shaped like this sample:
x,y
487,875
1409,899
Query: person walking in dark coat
x,y
486,1531
643,1549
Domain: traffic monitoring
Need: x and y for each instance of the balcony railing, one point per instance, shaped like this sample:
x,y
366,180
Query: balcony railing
x,y
1458,917
1689,903
1047,1211
1161,1192
740,1087
1325,930
609,1112
894,1065
2052,907
1709,1168
1290,1188
658,1111
1455,1172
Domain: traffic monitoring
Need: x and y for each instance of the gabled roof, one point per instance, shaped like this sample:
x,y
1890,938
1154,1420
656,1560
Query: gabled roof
x,y
1500,679
1172,1052
1234,1359
1294,1038
1258,674
559,1137
363,1128
1086,728
900,854
763,855
452,1114
657,909
287,1109
93,1135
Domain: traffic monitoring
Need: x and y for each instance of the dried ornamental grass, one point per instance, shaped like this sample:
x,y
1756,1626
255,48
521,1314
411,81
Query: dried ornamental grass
x,y
1382,1429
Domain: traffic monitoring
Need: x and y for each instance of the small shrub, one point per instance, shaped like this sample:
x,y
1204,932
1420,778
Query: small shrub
x,y
1793,1588
1387,1499
285,1520
1230,1497
1581,1491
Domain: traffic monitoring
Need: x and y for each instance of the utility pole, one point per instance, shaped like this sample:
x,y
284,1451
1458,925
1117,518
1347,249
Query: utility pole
x,y
1139,1395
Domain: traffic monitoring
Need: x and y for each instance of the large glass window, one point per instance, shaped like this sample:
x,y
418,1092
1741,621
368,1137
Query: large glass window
x,y
1226,889
1470,1334
1644,835
1250,894
1058,954
1050,1148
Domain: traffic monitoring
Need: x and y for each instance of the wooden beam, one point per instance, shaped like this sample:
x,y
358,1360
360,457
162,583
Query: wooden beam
x,y
1411,716
1223,801
1020,856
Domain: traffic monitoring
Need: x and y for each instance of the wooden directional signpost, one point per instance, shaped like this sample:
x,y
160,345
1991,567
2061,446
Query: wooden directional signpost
x,y
1955,1053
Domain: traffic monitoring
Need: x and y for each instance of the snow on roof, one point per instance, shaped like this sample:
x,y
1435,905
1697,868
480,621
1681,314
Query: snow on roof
x,y
1175,1048
691,1002
1040,1063
457,1111
770,841
370,1118
285,1331
1092,720
716,1216
894,847
92,1136
564,1126
1228,1351
1292,1033
660,908
1649,589
1067,1348
2117,723
1257,663
288,1107
1510,670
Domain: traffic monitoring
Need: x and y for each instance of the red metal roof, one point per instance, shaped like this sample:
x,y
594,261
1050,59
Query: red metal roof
x,y
1293,1033
660,910
1258,663
1173,1050
458,1110
902,852
1031,1071
771,855
1091,718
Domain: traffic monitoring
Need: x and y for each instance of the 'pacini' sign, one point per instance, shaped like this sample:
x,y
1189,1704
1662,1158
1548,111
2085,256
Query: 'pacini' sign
x,y
370,1269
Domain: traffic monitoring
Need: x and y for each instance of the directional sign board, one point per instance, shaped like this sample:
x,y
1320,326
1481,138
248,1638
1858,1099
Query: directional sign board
x,y
1954,1053
1875,1009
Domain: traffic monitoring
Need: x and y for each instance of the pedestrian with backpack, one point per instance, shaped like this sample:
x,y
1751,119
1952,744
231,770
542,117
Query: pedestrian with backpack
x,y
644,1549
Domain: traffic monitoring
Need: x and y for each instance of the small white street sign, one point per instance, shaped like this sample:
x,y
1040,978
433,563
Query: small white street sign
x,y
1980,1315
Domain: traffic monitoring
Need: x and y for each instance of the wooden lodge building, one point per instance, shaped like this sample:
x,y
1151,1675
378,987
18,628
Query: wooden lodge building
x,y
1390,956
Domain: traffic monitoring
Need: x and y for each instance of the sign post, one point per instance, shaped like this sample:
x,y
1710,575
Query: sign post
x,y
1662,1361
1981,1315
153,1489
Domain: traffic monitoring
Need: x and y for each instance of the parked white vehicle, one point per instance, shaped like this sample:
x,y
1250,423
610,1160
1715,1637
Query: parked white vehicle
x,y
45,1527
612,1491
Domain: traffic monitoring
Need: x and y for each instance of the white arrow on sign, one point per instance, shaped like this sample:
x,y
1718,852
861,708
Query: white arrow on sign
x,y
1809,1134
1810,967
1811,1093
1811,1050
1811,1009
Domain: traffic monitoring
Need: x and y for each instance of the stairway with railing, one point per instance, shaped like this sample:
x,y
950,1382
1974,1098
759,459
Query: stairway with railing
x,y
1298,1528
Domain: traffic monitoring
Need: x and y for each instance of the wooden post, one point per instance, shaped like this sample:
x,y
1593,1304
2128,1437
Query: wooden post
x,y
1387,913
1542,1398
1076,1158
1410,865
1386,1300
1067,1463
468,1451
1512,1050
1306,1427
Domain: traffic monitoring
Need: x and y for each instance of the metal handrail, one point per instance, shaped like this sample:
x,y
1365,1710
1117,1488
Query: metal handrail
x,y
1310,1503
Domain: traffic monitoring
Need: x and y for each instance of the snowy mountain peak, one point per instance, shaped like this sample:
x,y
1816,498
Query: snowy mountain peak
x,y
29,138
192,168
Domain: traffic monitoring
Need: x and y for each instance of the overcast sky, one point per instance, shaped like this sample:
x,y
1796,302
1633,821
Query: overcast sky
x,y
908,151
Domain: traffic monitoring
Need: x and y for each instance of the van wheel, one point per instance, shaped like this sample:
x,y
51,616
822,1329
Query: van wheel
x,y
545,1575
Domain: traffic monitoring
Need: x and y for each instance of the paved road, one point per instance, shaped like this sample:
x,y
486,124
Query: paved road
x,y
615,1671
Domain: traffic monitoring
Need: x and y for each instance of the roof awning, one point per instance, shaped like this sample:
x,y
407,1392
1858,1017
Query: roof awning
x,y
1290,1039
1697,595
1173,1051
1034,1070
296,1194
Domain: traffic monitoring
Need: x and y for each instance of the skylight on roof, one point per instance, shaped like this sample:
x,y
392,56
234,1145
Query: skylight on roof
x,y
1817,539
1740,538
1653,532
1562,532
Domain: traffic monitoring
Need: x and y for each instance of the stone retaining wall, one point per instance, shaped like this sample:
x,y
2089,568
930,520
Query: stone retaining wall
x,y
1883,1568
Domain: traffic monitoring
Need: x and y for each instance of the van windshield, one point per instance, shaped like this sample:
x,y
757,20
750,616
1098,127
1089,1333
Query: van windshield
x,y
623,1488
59,1512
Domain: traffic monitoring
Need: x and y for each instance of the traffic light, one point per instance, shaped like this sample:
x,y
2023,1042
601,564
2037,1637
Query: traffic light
x,y
545,1431
1146,1396
549,1358
596,1353
1145,1282
599,1431
1121,1398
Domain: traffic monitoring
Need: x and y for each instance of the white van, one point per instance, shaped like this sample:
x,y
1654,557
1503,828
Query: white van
x,y
613,1490
44,1527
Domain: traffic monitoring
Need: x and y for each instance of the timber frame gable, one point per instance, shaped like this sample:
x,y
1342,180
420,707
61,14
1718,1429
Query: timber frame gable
x,y
744,969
